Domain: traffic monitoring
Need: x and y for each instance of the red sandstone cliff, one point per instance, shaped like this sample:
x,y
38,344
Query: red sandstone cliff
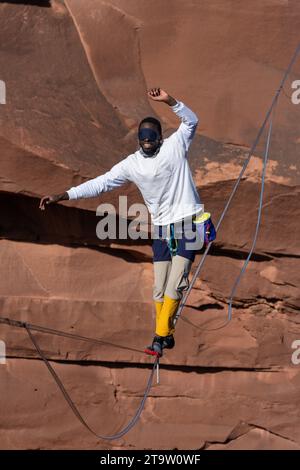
x,y
76,73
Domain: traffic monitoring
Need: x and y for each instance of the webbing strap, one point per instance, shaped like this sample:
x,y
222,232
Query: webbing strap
x,y
72,405
29,328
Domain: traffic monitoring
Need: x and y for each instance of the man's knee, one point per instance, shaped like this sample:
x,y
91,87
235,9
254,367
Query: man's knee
x,y
178,280
158,294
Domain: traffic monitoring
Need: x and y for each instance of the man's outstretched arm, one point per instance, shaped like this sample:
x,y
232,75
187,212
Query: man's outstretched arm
x,y
118,175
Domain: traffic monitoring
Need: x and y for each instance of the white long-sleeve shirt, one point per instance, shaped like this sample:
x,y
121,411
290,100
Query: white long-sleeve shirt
x,y
164,180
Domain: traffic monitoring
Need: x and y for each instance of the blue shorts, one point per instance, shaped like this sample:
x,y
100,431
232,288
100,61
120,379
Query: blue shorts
x,y
184,238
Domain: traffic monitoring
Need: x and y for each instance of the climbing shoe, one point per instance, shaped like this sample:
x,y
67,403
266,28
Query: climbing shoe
x,y
159,343
156,348
168,342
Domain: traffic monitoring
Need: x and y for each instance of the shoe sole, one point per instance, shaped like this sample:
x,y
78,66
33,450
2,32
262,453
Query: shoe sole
x,y
152,353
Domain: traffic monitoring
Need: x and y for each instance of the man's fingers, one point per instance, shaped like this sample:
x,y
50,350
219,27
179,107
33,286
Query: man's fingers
x,y
42,204
44,200
154,92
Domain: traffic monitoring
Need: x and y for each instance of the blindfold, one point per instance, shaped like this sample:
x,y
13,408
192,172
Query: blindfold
x,y
150,134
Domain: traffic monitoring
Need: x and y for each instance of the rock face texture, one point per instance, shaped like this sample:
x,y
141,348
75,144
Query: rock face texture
x,y
76,73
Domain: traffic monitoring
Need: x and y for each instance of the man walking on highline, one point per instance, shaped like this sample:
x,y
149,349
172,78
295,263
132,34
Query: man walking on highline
x,y
160,170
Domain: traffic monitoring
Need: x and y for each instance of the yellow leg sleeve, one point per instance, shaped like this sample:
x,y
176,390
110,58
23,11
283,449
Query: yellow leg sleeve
x,y
158,308
163,325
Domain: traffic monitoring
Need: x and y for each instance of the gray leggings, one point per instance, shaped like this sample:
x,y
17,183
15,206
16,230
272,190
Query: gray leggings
x,y
171,278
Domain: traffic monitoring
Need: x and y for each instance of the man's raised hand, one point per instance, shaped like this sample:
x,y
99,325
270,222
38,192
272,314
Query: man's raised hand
x,y
157,94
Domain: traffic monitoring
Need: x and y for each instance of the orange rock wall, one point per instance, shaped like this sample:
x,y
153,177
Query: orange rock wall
x,y
76,73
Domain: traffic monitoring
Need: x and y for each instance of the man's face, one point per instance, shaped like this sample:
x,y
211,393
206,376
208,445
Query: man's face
x,y
149,137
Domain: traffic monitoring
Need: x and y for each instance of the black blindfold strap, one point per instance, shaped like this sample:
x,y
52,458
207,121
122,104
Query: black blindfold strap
x,y
146,133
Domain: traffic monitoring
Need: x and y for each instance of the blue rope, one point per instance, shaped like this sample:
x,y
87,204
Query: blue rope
x,y
258,215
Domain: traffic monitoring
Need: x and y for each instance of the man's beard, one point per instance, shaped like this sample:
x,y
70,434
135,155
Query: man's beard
x,y
150,152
